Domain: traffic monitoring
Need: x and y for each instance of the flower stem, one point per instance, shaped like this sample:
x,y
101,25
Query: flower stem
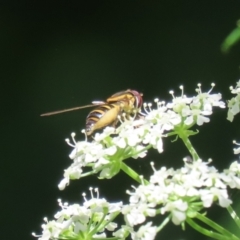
x,y
131,173
188,144
164,223
222,232
215,226
206,232
234,215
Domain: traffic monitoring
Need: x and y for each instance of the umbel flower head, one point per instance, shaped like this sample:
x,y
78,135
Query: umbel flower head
x,y
181,193
107,152
88,221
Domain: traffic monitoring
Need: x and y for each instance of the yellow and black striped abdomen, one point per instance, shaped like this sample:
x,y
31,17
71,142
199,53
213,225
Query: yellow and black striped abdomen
x,y
102,116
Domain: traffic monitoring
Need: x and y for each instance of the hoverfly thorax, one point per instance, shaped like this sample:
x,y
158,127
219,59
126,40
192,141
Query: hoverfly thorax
x,y
130,100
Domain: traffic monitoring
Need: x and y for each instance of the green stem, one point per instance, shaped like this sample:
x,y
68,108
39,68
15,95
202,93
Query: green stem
x,y
131,173
103,225
110,238
130,154
188,144
234,215
206,232
164,223
91,172
99,226
225,233
214,225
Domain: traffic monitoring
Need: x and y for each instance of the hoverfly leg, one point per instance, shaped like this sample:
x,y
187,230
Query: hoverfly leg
x,y
89,138
114,125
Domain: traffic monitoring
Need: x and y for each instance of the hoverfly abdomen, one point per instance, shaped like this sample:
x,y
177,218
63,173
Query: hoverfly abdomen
x,y
102,116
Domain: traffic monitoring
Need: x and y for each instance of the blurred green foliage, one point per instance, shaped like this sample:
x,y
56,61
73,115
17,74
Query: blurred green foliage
x,y
232,39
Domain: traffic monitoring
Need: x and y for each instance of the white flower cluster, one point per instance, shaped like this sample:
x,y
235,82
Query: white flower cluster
x,y
234,103
82,222
182,192
187,110
100,153
135,136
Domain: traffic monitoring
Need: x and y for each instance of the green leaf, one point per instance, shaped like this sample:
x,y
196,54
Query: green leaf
x,y
231,40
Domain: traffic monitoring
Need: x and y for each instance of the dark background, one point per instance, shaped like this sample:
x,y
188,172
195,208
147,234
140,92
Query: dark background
x,y
62,54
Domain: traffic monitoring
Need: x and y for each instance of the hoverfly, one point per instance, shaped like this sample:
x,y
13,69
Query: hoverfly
x,y
106,113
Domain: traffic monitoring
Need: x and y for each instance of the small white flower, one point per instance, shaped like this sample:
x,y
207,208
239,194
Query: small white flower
x,y
235,167
64,182
234,103
179,103
178,217
140,152
206,197
123,232
106,132
120,142
178,209
236,150
134,214
145,232
235,90
111,150
234,107
209,99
